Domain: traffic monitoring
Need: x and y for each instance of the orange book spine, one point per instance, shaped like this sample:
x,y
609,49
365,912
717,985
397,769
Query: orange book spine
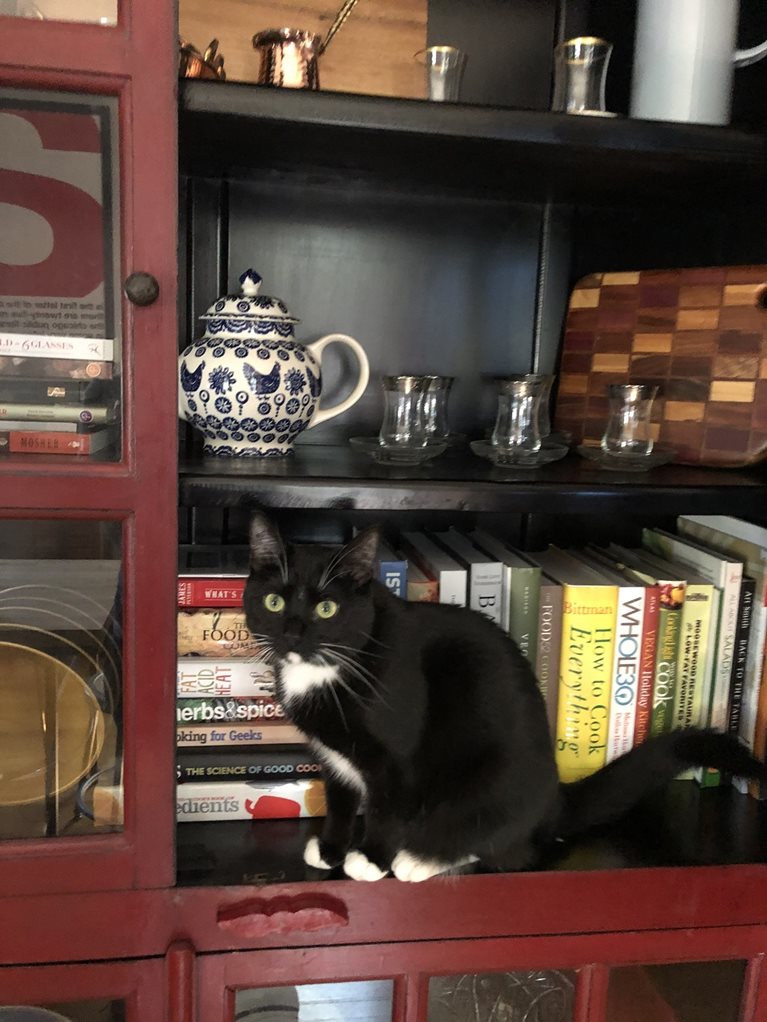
x,y
45,442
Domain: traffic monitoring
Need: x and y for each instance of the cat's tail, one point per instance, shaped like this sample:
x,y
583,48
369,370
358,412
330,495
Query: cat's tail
x,y
612,791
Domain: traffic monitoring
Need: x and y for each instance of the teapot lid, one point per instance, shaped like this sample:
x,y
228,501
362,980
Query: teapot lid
x,y
249,303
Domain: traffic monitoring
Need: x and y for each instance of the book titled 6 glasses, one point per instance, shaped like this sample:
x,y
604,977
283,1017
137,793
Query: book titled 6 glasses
x,y
625,642
58,395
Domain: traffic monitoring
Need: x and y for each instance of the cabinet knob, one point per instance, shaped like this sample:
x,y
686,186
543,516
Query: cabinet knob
x,y
141,288
304,913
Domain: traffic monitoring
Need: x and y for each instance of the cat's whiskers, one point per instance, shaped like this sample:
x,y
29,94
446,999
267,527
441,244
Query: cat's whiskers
x,y
353,649
333,563
362,675
372,638
337,661
334,693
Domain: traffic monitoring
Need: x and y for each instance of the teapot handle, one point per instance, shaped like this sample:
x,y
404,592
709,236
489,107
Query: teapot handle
x,y
315,349
743,58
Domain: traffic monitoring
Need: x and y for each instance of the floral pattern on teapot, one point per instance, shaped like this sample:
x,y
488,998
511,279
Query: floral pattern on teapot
x,y
248,386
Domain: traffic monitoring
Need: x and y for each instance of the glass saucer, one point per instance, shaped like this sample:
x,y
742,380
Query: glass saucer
x,y
399,454
660,455
515,459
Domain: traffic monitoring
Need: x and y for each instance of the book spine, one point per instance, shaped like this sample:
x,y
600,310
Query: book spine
x,y
626,667
91,415
56,369
270,763
524,597
214,633
549,647
423,591
216,736
210,592
667,657
199,710
239,800
648,651
758,789
693,641
220,679
452,586
45,442
393,575
486,591
18,390
588,627
100,349
740,656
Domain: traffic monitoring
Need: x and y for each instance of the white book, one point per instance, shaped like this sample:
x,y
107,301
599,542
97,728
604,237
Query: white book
x,y
485,575
31,425
88,415
727,574
452,576
233,676
88,349
627,655
747,543
201,801
521,584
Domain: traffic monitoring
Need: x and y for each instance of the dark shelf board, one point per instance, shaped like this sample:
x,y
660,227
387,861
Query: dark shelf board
x,y
227,128
683,826
316,477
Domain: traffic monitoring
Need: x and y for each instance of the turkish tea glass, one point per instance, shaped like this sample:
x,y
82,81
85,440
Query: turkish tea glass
x,y
518,415
404,423
580,71
546,381
436,393
628,432
444,71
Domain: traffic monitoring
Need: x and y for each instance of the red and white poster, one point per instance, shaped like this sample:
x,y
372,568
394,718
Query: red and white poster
x,y
58,226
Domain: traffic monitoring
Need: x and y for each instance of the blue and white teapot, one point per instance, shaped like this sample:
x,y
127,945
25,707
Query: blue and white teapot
x,y
248,385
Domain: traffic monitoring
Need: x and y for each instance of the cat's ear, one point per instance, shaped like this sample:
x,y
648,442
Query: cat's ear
x,y
358,559
266,549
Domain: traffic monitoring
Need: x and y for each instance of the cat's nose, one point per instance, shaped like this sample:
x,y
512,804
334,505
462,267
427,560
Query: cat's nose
x,y
293,628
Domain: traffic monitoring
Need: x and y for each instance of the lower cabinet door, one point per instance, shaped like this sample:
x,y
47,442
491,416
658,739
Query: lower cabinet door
x,y
135,991
712,975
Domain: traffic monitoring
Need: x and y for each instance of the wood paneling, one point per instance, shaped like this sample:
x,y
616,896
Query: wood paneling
x,y
372,53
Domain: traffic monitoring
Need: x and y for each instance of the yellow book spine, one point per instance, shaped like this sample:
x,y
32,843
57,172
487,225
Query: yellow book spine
x,y
588,634
693,692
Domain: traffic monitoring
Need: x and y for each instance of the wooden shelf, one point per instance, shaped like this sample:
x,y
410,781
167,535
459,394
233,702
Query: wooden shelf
x,y
316,477
537,155
684,826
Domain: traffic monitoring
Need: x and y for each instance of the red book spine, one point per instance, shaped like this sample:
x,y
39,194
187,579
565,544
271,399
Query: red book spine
x,y
647,664
45,442
210,592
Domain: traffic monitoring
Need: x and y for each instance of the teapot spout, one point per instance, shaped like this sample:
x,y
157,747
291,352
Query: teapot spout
x,y
742,58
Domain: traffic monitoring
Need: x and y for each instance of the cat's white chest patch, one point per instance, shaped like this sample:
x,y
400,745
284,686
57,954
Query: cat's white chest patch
x,y
299,677
339,765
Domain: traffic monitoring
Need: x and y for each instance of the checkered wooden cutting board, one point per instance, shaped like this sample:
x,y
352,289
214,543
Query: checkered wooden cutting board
x,y
699,334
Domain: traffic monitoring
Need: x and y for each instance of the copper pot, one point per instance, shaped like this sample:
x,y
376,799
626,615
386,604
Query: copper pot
x,y
193,64
289,58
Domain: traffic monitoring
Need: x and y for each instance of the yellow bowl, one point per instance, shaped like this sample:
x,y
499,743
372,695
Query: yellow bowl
x,y
51,726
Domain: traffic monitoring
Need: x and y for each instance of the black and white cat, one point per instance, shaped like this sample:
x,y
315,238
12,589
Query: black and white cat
x,y
430,716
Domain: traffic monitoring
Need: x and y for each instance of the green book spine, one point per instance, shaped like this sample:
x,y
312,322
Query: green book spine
x,y
524,599
666,665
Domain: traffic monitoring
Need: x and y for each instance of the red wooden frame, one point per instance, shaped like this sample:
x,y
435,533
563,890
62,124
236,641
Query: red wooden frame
x,y
140,984
136,62
410,965
80,927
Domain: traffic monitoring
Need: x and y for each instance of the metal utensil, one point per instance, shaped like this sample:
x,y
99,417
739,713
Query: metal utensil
x,y
346,9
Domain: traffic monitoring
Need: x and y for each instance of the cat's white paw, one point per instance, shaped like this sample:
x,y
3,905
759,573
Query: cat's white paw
x,y
359,867
411,869
312,855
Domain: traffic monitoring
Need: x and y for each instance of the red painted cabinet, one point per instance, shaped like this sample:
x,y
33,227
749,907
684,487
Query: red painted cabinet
x,y
87,501
88,541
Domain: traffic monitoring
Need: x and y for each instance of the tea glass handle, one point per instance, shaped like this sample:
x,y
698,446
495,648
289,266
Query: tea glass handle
x,y
315,349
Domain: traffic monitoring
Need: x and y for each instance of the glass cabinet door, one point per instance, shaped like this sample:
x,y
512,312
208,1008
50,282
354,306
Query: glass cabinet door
x,y
88,427
103,992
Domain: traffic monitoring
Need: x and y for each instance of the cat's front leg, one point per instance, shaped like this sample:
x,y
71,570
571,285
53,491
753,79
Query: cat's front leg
x,y
372,860
329,850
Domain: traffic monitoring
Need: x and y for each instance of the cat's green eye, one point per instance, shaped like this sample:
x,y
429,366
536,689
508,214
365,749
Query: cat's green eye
x,y
326,609
274,602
